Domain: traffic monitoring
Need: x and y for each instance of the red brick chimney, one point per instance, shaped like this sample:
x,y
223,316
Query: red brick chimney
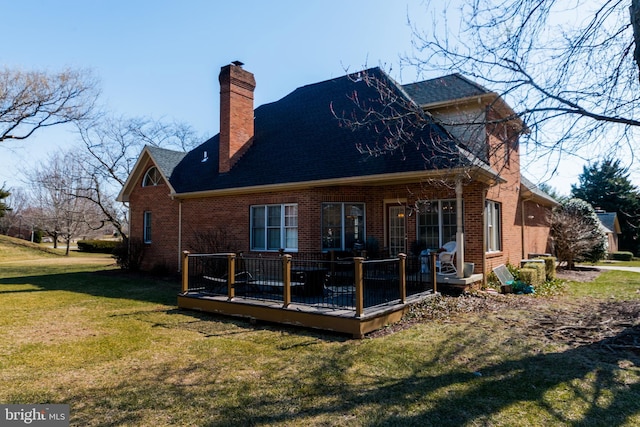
x,y
236,113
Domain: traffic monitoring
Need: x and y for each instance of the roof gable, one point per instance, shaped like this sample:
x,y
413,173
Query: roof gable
x,y
165,160
609,221
457,90
444,89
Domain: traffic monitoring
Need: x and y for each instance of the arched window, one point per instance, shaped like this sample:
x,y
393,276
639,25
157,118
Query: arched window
x,y
152,177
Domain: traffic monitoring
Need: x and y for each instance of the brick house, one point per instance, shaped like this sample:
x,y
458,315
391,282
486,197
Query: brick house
x,y
290,175
611,227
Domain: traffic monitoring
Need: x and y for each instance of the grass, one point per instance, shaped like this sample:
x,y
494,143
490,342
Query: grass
x,y
118,351
612,285
633,263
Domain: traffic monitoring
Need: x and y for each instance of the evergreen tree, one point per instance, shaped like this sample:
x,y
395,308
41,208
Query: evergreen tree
x,y
3,206
607,186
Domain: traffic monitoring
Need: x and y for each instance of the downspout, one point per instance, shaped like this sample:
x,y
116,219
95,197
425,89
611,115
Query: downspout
x,y
459,232
522,233
522,229
484,237
179,235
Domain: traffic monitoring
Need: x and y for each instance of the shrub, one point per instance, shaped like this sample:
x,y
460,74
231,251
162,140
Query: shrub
x,y
576,232
514,270
622,256
492,280
129,254
97,246
37,235
212,241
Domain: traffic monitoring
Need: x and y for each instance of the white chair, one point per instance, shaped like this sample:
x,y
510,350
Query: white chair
x,y
444,264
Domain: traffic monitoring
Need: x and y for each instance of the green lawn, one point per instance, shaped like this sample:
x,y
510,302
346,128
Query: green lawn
x,y
118,351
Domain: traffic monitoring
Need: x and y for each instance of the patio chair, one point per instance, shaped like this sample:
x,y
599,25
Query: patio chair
x,y
444,264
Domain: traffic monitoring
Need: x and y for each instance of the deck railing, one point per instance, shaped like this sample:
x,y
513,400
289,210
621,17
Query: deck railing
x,y
325,282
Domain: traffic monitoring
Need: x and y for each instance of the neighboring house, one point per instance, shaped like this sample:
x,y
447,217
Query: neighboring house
x,y
289,175
611,227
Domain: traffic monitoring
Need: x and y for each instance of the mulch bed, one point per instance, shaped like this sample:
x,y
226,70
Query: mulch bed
x,y
611,326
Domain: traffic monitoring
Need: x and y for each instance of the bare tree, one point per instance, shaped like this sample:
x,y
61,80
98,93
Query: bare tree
x,y
473,135
33,100
59,190
111,147
380,107
566,67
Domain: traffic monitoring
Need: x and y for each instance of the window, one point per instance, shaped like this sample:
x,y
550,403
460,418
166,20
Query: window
x,y
342,225
152,177
274,227
146,227
437,223
492,218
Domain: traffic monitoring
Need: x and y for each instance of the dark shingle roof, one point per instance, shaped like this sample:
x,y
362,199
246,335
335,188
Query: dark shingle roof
x,y
608,220
166,160
298,139
446,88
537,192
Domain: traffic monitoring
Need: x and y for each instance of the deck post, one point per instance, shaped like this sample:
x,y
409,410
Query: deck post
x,y
432,268
185,271
286,280
403,277
459,232
359,284
231,276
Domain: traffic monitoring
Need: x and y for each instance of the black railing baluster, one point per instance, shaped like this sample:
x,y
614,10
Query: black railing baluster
x,y
319,280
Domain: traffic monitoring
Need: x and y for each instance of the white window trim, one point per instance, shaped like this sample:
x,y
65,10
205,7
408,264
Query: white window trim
x,y
152,181
146,226
441,239
493,229
283,227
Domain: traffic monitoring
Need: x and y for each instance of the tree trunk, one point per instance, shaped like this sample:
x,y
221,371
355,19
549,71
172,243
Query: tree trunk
x,y
634,10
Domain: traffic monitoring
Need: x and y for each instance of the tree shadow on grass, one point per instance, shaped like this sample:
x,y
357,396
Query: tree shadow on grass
x,y
107,283
207,325
587,379
581,386
602,387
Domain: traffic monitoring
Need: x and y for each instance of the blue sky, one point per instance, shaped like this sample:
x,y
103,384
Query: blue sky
x,y
161,59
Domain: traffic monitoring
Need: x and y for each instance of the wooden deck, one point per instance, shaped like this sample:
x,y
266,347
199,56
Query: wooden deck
x,y
374,294
330,319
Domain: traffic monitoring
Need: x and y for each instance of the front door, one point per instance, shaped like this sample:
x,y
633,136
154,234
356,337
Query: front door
x,y
397,230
